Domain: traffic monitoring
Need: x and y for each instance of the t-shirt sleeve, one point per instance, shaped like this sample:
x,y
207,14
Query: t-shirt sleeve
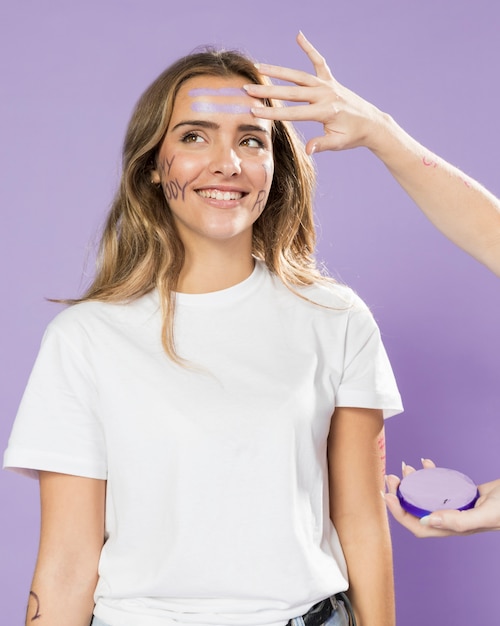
x,y
368,380
56,428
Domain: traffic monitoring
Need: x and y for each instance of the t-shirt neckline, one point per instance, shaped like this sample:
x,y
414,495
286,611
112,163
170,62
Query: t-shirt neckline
x,y
227,295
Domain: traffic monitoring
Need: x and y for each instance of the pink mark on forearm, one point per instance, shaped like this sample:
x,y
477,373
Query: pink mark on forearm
x,y
381,447
429,162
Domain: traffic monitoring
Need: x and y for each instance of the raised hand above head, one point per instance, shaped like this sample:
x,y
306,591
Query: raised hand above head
x,y
348,120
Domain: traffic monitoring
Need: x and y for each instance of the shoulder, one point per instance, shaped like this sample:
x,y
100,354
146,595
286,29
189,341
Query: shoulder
x,y
329,293
325,293
93,316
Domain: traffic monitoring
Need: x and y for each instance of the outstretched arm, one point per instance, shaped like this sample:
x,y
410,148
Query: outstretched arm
x,y
71,538
459,206
484,516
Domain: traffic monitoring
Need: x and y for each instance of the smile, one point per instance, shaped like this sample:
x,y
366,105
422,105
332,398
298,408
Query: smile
x,y
217,194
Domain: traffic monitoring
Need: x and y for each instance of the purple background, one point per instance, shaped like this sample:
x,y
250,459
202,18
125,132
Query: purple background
x,y
70,74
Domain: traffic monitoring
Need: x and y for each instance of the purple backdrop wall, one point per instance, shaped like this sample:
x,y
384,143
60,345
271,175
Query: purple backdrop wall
x,y
70,74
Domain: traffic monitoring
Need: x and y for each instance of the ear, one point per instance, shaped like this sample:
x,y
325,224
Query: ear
x,y
155,177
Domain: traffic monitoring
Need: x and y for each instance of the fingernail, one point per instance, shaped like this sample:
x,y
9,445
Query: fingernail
x,y
313,149
403,466
431,520
382,493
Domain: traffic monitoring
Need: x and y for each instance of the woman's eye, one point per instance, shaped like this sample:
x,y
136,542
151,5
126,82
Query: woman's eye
x,y
252,142
192,138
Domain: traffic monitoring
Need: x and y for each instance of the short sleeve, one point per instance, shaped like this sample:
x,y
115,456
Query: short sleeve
x,y
56,428
368,380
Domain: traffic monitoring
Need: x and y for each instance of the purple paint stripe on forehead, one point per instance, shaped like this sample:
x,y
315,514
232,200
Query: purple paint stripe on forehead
x,y
210,107
223,91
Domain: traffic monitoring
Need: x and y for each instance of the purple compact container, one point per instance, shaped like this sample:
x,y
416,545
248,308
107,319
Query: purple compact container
x,y
427,490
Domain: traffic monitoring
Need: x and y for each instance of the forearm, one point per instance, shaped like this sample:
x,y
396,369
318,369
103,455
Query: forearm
x,y
71,539
459,206
60,598
369,561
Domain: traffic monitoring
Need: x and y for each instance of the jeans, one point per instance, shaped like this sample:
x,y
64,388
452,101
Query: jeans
x,y
340,617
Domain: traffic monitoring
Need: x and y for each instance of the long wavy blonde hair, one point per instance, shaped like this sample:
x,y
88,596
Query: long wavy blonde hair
x,y
140,249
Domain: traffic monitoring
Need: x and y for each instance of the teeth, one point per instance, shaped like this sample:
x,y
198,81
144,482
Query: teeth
x,y
215,194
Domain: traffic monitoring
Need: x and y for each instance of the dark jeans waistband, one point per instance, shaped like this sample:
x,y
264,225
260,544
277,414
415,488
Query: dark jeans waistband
x,y
322,611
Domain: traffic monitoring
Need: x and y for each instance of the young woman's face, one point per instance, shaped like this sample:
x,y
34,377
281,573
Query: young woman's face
x,y
215,164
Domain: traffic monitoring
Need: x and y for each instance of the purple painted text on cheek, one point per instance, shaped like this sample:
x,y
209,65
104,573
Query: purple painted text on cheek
x,y
172,188
259,203
167,165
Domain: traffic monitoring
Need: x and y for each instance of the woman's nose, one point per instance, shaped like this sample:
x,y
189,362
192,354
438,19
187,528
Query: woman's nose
x,y
225,161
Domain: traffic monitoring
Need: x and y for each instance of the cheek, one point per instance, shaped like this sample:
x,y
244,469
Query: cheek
x,y
178,168
173,164
268,167
261,173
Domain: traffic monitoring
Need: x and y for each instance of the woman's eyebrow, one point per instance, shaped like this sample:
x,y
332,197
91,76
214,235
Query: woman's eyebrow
x,y
253,128
201,123
249,128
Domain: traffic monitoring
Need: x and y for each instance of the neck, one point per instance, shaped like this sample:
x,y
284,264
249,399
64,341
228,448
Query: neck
x,y
213,269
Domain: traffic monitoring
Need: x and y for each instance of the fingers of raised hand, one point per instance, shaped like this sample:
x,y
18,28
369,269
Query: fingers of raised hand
x,y
308,112
288,74
289,93
319,62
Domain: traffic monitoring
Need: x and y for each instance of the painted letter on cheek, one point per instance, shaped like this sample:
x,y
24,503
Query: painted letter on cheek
x,y
171,189
259,203
167,165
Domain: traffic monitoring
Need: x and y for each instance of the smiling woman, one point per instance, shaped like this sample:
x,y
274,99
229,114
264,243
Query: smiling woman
x,y
220,159
207,420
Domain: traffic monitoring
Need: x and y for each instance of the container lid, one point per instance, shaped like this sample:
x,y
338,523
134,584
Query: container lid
x,y
427,490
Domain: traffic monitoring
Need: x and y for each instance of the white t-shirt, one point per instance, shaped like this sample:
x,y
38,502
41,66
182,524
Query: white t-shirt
x,y
217,492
